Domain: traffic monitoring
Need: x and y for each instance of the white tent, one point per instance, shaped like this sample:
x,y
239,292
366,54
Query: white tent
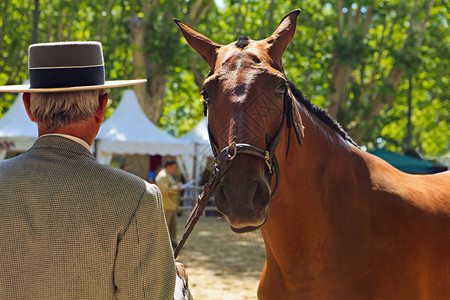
x,y
17,128
202,149
199,134
129,131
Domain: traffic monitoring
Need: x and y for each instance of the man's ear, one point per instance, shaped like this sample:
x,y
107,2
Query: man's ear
x,y
26,101
100,113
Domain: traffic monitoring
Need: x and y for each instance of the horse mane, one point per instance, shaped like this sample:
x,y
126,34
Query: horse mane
x,y
320,113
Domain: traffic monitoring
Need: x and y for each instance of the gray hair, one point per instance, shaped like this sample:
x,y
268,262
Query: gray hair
x,y
59,110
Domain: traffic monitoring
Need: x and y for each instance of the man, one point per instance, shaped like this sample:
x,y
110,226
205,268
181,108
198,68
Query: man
x,y
71,228
169,188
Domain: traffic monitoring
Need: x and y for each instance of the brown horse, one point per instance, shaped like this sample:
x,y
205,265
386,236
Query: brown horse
x,y
342,223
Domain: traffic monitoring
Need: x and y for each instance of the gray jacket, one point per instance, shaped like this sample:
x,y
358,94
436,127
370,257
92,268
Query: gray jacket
x,y
71,228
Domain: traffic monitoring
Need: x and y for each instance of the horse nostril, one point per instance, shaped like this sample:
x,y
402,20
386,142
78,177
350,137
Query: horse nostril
x,y
261,196
221,200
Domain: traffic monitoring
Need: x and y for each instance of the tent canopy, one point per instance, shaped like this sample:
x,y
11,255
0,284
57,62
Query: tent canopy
x,y
202,150
16,127
129,131
199,134
405,163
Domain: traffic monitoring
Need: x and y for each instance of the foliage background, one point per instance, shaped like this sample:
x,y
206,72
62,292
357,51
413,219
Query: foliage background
x,y
369,63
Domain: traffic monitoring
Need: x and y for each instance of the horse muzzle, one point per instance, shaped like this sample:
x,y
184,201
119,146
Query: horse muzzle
x,y
248,228
243,194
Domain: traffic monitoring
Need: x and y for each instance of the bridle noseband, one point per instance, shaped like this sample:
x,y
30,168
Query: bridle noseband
x,y
268,155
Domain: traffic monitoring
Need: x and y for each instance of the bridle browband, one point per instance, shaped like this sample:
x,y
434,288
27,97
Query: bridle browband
x,y
268,155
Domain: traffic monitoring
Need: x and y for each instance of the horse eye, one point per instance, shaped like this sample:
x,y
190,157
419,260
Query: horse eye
x,y
205,96
281,89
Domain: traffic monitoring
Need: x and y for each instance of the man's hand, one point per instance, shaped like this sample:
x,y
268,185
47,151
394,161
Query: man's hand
x,y
181,271
182,291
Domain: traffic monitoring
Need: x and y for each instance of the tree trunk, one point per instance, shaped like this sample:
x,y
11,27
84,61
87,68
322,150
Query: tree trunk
x,y
60,33
104,25
150,95
338,93
34,35
385,96
339,83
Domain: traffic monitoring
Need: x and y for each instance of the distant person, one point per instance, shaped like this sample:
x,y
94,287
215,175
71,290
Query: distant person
x,y
152,174
169,189
72,228
125,167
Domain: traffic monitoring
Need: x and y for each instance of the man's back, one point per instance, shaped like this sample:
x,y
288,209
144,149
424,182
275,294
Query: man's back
x,y
71,228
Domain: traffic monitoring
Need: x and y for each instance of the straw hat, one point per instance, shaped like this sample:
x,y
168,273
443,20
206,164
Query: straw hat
x,y
66,67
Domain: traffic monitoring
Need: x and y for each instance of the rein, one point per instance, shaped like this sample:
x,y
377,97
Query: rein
x,y
220,168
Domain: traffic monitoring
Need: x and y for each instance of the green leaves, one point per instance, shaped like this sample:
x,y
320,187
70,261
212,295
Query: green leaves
x,y
381,42
352,51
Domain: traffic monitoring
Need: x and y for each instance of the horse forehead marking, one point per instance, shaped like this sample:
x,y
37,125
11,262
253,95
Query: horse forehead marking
x,y
239,71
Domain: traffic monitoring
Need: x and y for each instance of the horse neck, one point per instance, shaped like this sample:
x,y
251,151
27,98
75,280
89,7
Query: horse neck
x,y
311,185
319,163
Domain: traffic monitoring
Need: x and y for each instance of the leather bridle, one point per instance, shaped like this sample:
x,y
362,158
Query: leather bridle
x,y
268,155
225,158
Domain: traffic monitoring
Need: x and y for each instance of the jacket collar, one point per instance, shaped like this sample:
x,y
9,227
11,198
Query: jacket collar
x,y
61,143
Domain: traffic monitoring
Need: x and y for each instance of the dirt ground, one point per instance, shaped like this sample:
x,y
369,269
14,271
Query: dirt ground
x,y
221,264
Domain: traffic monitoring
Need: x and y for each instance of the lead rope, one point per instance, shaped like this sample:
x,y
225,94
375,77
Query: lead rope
x,y
220,168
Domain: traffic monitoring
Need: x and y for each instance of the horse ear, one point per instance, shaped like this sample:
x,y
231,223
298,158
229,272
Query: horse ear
x,y
283,35
200,43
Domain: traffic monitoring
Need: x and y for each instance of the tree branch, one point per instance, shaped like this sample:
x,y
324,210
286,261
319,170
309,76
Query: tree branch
x,y
358,14
105,25
194,9
349,23
205,8
270,10
340,18
2,31
60,32
73,13
368,19
36,13
424,23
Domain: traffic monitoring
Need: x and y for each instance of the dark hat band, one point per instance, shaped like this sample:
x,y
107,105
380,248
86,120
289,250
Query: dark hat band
x,y
66,77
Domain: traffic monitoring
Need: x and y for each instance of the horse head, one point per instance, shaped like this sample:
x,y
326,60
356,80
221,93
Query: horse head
x,y
245,95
